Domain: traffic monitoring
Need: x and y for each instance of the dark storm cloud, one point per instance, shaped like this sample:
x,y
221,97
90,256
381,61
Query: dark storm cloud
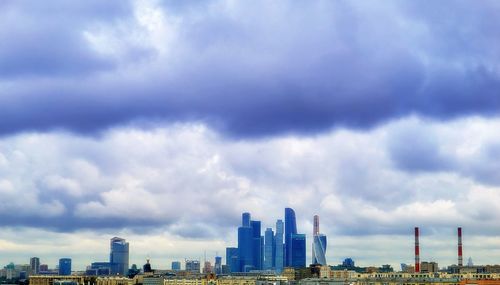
x,y
246,69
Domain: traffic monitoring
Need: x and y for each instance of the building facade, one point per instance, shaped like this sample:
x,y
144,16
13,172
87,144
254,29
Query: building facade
x,y
119,256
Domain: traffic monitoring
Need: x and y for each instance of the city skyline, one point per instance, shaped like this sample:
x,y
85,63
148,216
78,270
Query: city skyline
x,y
161,121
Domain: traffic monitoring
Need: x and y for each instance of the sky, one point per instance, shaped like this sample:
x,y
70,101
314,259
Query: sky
x,y
162,121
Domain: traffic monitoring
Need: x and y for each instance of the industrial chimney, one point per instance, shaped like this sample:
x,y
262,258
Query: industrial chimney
x,y
417,252
460,257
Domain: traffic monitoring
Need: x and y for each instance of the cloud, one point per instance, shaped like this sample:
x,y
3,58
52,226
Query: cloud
x,y
246,70
190,184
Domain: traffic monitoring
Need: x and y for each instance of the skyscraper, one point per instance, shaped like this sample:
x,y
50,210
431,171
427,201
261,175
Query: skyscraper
x,y
218,265
290,229
298,250
193,266
268,249
35,265
176,265
319,244
65,266
119,256
245,245
232,260
257,245
278,240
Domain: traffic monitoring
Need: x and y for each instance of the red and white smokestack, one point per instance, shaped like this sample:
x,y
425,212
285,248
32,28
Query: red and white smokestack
x,y
417,251
316,225
460,257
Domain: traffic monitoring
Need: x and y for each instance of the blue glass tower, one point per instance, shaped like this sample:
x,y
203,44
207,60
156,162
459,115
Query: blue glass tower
x,y
119,256
232,260
176,265
279,247
319,249
256,245
245,245
298,250
268,249
65,266
290,229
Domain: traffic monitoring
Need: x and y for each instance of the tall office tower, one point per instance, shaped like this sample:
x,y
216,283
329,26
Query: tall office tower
x,y
298,251
245,219
176,265
193,266
319,244
245,245
232,260
218,265
119,256
207,267
279,247
35,265
290,229
257,242
268,249
65,266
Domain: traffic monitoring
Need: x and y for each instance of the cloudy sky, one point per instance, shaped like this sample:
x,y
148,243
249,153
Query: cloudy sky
x,y
162,121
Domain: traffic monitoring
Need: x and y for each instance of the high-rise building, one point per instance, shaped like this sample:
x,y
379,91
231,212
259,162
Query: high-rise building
x,y
65,266
257,245
279,247
193,266
268,249
298,251
119,256
35,265
319,244
290,229
245,245
207,267
218,265
44,268
232,260
176,265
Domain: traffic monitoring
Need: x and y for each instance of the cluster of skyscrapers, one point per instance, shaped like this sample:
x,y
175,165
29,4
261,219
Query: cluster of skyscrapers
x,y
284,247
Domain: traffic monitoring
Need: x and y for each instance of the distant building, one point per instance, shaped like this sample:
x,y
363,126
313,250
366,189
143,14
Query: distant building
x,y
428,267
146,268
192,266
298,250
176,265
348,263
65,266
119,256
43,267
319,244
232,260
269,245
35,265
207,267
279,247
290,229
218,265
245,245
99,269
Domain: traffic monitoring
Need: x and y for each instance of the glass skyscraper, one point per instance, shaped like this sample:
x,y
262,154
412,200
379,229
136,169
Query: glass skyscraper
x,y
268,249
319,244
232,260
257,245
290,229
119,256
245,245
279,247
65,266
298,250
